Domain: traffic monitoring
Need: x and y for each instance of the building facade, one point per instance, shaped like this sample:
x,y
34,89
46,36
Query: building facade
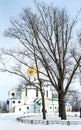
x,y
30,101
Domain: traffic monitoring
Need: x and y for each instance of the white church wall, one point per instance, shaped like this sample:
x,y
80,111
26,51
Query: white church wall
x,y
30,101
29,108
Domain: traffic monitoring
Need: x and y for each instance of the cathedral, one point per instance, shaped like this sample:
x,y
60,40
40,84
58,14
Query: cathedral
x,y
30,98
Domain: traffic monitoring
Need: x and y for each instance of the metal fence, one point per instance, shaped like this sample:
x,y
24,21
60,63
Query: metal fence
x,y
47,122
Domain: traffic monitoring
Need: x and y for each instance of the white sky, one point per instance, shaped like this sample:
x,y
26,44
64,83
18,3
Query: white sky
x,y
12,8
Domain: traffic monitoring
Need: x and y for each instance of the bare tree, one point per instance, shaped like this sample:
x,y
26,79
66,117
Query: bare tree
x,y
21,60
40,83
46,38
73,97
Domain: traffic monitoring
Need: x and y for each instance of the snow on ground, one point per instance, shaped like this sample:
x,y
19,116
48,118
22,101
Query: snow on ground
x,y
8,122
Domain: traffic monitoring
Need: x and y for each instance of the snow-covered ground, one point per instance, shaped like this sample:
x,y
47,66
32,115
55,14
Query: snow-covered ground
x,y
8,122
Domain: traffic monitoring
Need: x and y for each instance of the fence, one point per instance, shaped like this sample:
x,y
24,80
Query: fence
x,y
47,122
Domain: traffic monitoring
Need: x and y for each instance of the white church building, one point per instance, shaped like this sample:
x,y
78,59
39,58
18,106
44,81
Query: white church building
x,y
30,100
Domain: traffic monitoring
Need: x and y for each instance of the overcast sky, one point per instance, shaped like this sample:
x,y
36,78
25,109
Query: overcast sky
x,y
12,8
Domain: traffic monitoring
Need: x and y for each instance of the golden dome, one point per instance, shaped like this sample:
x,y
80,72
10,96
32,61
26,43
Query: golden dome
x,y
31,71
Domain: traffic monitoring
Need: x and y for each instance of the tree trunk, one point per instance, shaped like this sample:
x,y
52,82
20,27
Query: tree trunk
x,y
43,107
43,100
62,112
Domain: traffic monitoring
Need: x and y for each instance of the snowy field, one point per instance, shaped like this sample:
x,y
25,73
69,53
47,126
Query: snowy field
x,y
8,122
